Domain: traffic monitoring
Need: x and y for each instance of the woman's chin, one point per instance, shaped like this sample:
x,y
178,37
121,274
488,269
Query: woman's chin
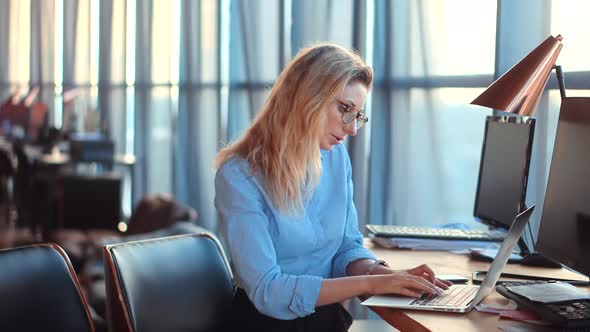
x,y
326,147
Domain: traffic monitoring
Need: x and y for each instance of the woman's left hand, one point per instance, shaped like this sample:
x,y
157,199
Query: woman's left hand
x,y
359,267
426,272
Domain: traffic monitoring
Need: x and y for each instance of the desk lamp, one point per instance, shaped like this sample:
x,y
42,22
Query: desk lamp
x,y
519,91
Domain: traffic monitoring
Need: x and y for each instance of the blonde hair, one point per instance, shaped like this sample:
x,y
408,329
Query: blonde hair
x,y
283,141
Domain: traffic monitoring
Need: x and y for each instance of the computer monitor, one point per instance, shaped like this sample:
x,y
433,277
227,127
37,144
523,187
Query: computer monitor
x,y
564,233
90,201
503,169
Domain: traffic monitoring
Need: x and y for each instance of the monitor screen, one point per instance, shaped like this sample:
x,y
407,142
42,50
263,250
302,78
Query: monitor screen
x,y
503,169
564,233
90,201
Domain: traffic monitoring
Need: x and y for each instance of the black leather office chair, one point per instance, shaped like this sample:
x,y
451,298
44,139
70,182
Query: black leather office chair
x,y
7,171
24,187
177,283
39,291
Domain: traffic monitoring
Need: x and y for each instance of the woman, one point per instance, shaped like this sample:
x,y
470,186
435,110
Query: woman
x,y
284,194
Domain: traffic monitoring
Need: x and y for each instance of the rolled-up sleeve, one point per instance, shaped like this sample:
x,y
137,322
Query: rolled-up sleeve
x,y
245,230
351,248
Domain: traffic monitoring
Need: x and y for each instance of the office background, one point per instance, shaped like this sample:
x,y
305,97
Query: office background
x,y
173,80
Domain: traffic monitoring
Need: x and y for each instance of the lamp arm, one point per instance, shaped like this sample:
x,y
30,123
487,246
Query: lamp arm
x,y
560,80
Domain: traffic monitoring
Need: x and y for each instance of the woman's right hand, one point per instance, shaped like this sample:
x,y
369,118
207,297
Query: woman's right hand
x,y
401,283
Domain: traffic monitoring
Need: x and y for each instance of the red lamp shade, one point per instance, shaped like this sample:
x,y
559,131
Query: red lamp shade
x,y
519,89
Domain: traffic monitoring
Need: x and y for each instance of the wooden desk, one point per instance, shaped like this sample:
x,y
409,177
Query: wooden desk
x,y
448,263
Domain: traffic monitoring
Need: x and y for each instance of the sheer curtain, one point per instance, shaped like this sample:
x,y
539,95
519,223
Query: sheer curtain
x,y
113,60
254,60
156,96
172,81
425,138
142,109
42,57
80,72
322,21
198,123
5,16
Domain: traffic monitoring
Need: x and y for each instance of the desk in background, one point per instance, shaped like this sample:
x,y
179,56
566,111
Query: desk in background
x,y
57,190
448,263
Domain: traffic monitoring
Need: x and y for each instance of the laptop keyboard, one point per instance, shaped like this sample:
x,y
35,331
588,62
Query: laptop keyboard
x,y
436,233
453,297
574,313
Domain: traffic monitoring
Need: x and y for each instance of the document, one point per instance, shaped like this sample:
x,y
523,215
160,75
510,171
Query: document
x,y
433,244
550,292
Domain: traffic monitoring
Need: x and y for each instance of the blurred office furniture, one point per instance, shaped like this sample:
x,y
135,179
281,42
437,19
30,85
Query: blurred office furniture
x,y
23,187
13,116
37,121
36,115
81,206
92,149
89,201
23,119
35,192
177,283
40,291
7,171
57,190
154,212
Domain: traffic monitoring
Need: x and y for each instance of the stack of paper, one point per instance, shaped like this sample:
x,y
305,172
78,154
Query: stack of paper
x,y
434,244
550,292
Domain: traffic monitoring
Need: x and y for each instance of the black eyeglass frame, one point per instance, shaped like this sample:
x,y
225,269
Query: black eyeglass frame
x,y
348,115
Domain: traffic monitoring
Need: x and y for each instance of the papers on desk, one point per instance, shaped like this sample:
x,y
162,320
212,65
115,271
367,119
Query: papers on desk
x,y
433,244
510,310
509,305
550,292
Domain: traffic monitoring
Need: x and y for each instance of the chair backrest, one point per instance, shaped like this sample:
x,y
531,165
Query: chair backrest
x,y
176,283
7,168
39,291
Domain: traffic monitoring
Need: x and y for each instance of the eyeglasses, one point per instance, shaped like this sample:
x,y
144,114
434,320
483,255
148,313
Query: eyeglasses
x,y
349,114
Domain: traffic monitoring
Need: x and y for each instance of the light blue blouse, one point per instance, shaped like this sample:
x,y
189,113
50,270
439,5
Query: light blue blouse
x,y
279,260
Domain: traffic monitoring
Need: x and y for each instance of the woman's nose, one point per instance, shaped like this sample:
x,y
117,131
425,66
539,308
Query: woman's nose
x,y
350,128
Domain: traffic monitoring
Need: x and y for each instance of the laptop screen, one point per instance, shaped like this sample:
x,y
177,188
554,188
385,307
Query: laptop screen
x,y
503,255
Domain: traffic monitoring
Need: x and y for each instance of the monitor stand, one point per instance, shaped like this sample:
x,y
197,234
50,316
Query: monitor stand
x,y
525,257
534,258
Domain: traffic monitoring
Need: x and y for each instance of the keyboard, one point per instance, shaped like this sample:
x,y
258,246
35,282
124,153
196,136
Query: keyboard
x,y
454,297
436,233
574,313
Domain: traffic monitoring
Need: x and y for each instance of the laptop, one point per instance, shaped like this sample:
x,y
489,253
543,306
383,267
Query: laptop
x,y
461,298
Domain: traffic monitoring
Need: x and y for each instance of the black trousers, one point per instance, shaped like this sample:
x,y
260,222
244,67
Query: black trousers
x,y
245,317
